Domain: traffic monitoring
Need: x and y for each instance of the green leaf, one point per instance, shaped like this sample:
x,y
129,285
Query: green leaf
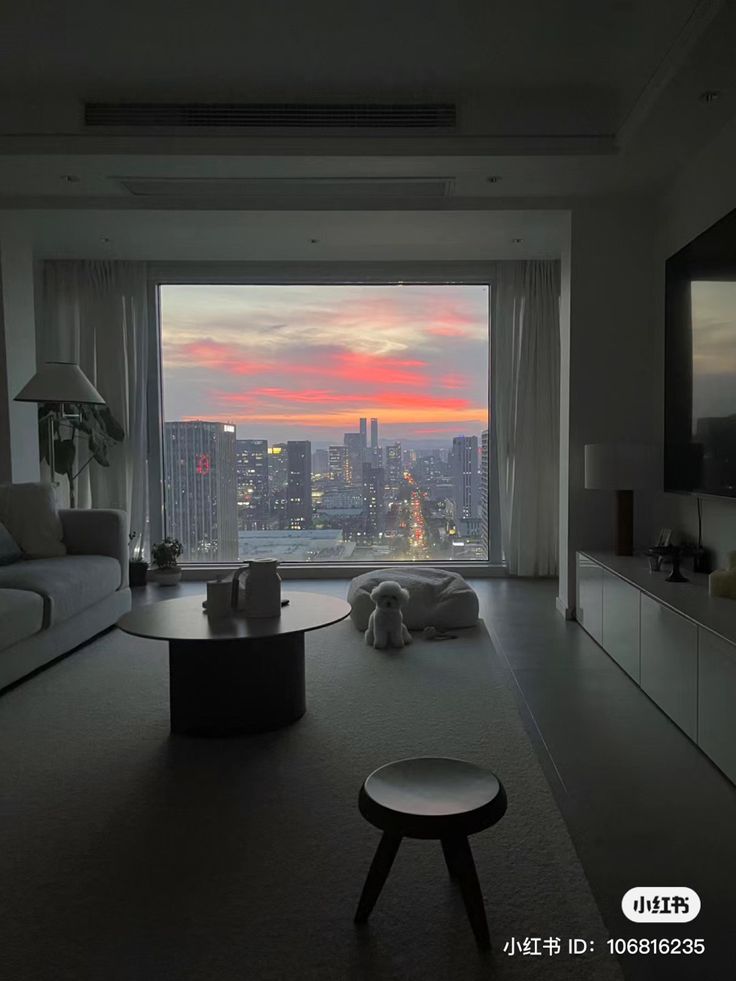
x,y
65,451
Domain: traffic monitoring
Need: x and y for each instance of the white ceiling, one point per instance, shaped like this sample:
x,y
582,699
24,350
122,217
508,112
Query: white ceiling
x,y
556,100
369,236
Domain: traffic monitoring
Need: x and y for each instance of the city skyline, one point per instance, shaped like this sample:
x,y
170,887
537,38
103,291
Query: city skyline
x,y
301,362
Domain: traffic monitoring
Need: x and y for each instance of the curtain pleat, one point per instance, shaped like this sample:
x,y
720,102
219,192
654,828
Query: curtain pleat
x,y
96,313
525,370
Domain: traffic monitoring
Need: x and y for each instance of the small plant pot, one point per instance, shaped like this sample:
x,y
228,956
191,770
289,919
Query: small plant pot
x,y
166,577
137,574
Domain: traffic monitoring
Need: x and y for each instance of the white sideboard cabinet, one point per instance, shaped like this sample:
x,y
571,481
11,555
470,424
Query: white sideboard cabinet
x,y
672,639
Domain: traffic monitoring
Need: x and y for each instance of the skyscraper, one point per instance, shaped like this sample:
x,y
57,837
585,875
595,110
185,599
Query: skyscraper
x,y
465,477
320,462
374,434
354,443
299,486
373,511
484,490
338,463
394,467
278,478
200,491
252,477
364,432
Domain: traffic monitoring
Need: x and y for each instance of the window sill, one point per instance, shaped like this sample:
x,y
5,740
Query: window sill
x,y
476,570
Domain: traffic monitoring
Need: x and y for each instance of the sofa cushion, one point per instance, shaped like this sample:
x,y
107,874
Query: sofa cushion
x,y
29,513
437,598
21,615
9,550
68,584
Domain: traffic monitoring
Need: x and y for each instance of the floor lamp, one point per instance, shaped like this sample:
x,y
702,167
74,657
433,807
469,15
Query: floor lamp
x,y
623,467
59,382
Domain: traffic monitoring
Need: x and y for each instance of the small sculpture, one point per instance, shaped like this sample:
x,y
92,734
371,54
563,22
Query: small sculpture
x,y
386,626
722,582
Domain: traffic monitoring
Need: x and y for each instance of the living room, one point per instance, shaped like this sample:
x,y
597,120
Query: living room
x,y
134,850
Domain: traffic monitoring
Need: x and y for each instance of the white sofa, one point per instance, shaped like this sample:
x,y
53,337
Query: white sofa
x,y
50,606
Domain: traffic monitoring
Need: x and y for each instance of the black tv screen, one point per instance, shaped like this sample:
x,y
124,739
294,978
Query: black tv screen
x,y
700,364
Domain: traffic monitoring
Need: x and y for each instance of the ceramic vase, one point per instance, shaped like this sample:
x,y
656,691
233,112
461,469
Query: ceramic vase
x,y
262,589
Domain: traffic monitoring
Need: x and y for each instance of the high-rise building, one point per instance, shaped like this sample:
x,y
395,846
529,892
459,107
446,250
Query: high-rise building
x,y
320,462
364,432
484,491
465,476
374,434
278,478
354,443
200,491
394,467
373,509
299,486
251,456
338,464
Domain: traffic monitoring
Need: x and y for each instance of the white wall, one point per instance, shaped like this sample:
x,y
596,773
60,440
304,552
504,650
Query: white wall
x,y
610,356
702,192
18,421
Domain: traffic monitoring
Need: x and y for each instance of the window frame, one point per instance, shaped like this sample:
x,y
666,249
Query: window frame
x,y
297,273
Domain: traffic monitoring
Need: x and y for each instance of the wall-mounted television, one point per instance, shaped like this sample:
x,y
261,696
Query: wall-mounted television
x,y
700,364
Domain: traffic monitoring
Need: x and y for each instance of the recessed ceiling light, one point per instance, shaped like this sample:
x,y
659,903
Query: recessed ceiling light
x,y
314,241
494,179
517,241
710,95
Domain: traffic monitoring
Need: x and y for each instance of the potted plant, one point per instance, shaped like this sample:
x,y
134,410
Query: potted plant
x,y
164,555
137,566
95,422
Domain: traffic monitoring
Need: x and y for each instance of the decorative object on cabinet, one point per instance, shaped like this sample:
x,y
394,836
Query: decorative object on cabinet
x,y
722,582
674,553
623,467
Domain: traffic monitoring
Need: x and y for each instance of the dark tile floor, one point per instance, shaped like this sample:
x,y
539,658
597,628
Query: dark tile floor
x,y
643,805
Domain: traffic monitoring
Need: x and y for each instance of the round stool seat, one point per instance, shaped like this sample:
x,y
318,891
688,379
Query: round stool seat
x,y
432,797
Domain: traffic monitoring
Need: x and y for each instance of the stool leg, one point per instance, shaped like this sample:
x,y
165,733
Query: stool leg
x,y
377,874
447,852
461,866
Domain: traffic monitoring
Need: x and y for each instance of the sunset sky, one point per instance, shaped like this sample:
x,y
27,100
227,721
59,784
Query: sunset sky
x,y
305,362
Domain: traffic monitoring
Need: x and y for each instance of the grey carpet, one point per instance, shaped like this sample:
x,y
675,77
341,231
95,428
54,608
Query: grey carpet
x,y
128,854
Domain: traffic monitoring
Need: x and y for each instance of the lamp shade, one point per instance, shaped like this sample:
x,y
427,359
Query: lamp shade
x,y
60,381
620,466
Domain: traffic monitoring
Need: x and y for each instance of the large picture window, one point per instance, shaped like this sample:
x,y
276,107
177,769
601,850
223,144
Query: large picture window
x,y
326,423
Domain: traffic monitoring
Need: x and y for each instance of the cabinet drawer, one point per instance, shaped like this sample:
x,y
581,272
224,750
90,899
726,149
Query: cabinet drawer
x,y
589,600
621,623
669,663
717,700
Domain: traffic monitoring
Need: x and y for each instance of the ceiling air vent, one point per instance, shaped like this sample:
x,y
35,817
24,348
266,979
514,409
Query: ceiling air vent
x,y
284,115
379,188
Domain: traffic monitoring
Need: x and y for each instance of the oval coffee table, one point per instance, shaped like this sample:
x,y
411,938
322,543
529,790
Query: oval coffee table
x,y
233,675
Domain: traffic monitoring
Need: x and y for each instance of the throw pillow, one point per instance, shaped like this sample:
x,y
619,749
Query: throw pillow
x,y
29,513
9,551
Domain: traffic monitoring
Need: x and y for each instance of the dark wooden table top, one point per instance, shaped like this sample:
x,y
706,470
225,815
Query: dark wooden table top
x,y
185,619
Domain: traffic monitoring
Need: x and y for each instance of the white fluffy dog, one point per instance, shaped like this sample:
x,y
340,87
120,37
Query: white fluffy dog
x,y
386,624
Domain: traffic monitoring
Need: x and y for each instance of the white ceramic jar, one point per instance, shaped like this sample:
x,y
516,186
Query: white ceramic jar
x,y
262,589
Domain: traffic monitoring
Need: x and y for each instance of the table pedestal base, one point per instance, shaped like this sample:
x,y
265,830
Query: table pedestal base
x,y
230,687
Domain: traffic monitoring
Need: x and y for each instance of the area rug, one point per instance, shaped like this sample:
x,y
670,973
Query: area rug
x,y
128,854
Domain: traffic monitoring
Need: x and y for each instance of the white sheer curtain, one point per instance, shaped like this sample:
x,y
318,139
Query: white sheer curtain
x,y
96,313
525,411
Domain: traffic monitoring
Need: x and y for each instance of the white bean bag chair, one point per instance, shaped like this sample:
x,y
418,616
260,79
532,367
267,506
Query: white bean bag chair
x,y
437,598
